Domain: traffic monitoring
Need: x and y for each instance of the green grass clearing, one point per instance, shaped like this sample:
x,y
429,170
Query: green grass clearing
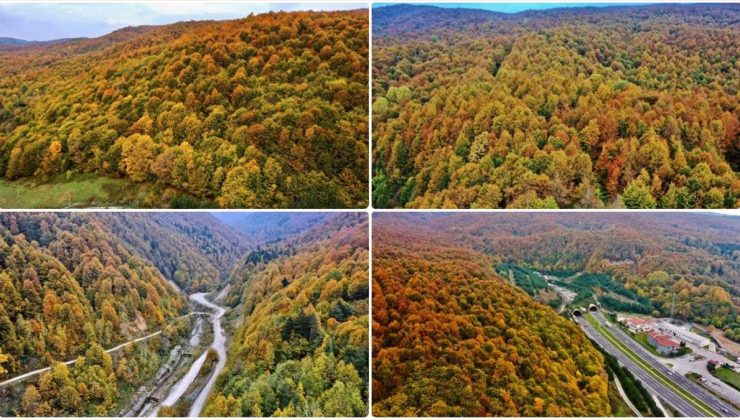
x,y
728,376
83,190
647,367
57,193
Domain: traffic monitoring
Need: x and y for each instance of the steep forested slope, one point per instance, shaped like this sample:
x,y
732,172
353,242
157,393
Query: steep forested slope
x,y
300,346
66,284
695,256
195,250
266,111
451,338
583,107
73,284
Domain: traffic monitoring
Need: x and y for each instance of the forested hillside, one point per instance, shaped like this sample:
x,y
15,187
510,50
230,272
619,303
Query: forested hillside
x,y
74,284
195,250
271,227
451,338
633,106
300,346
695,256
266,111
67,286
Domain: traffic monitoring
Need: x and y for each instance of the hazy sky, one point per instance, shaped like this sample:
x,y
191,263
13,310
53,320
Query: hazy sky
x,y
46,21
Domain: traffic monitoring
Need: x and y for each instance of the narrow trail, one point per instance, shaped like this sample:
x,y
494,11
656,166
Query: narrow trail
x,y
70,362
625,397
219,344
110,350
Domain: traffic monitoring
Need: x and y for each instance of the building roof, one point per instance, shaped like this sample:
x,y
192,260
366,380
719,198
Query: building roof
x,y
684,333
666,341
636,321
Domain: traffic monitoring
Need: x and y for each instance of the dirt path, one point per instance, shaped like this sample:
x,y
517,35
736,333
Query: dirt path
x,y
219,344
69,362
110,350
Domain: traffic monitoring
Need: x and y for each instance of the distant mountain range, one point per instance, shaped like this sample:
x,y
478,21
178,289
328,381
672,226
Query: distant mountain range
x,y
15,42
270,227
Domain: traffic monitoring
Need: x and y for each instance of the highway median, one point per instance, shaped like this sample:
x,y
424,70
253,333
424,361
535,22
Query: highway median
x,y
644,365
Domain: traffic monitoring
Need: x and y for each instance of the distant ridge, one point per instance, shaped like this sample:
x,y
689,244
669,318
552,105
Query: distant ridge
x,y
406,18
14,41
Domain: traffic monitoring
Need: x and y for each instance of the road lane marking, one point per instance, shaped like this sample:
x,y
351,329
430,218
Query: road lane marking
x,y
701,406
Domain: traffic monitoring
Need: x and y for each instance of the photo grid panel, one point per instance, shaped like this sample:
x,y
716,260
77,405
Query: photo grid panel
x,y
184,105
183,314
369,209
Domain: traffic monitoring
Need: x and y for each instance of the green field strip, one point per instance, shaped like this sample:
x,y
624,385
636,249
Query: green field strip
x,y
657,375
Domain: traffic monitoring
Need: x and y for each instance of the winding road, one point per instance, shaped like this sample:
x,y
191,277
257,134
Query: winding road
x,y
70,362
219,344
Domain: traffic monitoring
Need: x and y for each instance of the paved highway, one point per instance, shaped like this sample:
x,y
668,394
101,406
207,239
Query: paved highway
x,y
683,382
650,382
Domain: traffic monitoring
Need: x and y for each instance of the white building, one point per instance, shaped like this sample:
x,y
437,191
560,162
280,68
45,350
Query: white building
x,y
683,334
636,325
664,343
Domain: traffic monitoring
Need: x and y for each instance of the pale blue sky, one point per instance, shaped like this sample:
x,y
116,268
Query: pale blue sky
x,y
47,21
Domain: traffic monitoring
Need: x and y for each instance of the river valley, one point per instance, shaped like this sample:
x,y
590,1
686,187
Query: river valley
x,y
184,383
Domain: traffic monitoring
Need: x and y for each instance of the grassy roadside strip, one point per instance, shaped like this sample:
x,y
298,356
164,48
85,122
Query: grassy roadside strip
x,y
728,376
657,375
643,340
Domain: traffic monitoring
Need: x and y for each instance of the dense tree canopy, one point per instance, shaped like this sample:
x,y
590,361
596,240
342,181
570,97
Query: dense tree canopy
x,y
66,285
583,107
301,347
194,250
451,338
647,257
74,284
266,111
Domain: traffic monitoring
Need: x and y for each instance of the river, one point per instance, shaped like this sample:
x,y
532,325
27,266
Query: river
x,y
219,344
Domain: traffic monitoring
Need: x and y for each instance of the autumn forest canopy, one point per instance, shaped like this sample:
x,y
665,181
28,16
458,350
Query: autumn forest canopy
x,y
261,112
74,284
300,346
68,280
452,337
633,106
